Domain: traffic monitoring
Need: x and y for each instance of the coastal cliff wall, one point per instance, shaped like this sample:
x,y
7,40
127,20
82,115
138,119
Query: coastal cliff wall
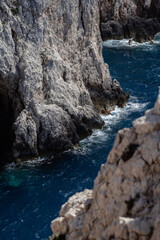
x,y
139,20
53,80
124,203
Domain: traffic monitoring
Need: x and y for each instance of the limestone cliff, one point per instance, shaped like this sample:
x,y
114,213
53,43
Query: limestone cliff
x,y
125,201
52,75
139,20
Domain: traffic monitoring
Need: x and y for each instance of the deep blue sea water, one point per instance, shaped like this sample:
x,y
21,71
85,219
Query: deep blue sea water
x,y
31,193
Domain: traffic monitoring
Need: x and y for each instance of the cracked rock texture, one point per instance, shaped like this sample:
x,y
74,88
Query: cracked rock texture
x,y
52,74
125,201
139,20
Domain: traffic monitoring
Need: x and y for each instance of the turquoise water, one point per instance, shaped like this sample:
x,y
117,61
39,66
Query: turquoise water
x,y
31,193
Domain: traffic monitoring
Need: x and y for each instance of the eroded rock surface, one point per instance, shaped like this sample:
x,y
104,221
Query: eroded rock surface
x,y
124,204
139,20
52,72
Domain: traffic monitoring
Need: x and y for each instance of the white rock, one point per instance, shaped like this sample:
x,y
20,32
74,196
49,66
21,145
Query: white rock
x,y
59,226
125,198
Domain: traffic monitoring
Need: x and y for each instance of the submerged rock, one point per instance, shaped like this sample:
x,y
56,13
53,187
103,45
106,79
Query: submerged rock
x,y
53,74
139,20
124,203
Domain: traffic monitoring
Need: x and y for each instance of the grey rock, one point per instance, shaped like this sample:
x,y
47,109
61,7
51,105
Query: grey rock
x,y
25,142
52,72
141,29
112,30
139,20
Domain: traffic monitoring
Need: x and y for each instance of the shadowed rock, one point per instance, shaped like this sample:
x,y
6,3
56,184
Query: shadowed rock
x,y
139,20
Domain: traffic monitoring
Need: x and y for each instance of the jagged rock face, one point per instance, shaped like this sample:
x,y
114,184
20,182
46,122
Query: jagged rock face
x,y
124,204
52,71
139,20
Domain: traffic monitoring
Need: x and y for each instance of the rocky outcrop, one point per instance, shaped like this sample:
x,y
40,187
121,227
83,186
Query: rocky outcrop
x,y
124,203
52,75
139,20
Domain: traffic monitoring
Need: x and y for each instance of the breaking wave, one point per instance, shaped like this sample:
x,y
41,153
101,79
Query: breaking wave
x,y
124,44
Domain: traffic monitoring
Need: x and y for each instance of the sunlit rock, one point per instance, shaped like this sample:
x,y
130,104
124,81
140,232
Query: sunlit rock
x,y
124,204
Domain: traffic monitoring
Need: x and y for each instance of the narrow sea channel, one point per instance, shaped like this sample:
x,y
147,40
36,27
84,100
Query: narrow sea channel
x,y
31,193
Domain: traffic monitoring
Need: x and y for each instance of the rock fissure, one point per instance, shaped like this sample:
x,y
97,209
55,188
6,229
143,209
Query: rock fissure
x,y
129,151
81,14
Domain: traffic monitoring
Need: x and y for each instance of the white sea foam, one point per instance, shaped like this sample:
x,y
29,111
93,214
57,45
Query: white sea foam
x,y
10,166
98,137
34,162
120,43
124,43
28,163
120,113
111,120
157,38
